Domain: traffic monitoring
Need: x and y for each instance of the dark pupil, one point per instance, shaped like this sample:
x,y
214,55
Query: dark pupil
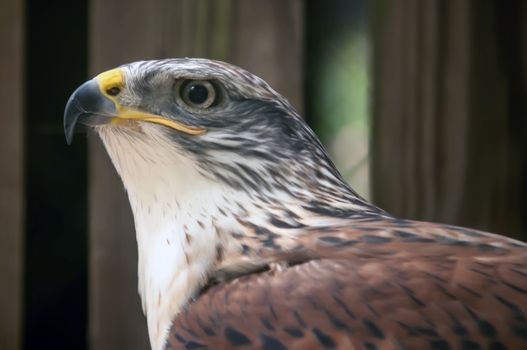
x,y
198,94
114,91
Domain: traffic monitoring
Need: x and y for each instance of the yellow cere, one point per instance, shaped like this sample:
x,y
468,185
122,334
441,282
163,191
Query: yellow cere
x,y
115,78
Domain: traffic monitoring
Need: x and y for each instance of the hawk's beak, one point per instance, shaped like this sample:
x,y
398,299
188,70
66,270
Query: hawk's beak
x,y
94,103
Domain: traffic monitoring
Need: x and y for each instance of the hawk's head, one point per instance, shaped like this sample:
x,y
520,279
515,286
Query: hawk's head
x,y
230,126
219,169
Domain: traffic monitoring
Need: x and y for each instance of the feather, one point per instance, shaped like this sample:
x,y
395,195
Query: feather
x,y
386,284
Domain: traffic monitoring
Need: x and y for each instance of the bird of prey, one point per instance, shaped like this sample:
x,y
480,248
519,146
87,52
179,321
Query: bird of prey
x,y
249,238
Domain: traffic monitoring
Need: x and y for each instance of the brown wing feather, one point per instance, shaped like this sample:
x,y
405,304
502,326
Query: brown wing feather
x,y
402,292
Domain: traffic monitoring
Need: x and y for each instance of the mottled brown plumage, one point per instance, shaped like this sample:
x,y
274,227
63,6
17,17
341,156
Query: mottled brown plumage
x,y
377,284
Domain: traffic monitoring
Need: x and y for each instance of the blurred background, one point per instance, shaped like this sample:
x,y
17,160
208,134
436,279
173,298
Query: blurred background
x,y
422,105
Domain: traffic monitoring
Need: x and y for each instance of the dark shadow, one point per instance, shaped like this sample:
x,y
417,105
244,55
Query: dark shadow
x,y
55,298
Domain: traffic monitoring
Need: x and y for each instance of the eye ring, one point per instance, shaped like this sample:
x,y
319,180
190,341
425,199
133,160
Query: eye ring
x,y
198,94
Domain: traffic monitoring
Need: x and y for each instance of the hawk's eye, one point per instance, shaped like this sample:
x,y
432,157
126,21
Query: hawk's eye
x,y
113,91
198,93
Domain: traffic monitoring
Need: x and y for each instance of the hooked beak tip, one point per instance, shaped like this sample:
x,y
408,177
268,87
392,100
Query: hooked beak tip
x,y
87,100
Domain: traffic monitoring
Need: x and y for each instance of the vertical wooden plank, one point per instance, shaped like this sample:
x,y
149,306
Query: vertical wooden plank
x,y
446,81
453,115
116,320
123,31
268,41
11,172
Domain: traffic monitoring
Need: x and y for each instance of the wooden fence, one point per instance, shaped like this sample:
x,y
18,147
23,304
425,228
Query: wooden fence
x,y
448,133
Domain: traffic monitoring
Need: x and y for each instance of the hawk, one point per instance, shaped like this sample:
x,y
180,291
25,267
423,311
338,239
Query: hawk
x,y
249,238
